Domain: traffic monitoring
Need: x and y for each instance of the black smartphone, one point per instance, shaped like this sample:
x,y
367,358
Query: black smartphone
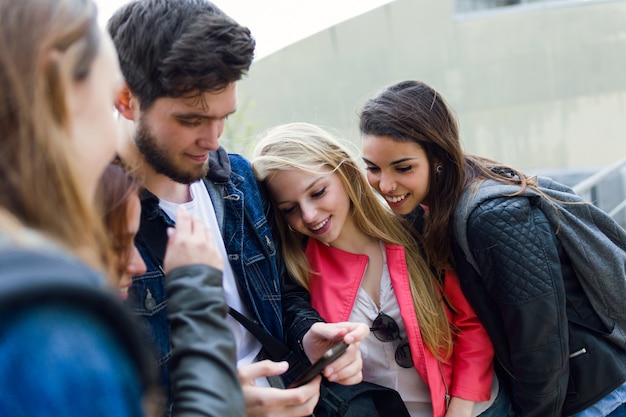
x,y
327,358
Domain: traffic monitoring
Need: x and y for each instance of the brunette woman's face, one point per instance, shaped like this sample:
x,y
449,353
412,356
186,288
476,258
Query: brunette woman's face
x,y
135,264
398,170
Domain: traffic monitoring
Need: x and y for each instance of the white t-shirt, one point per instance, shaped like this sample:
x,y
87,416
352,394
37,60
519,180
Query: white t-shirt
x,y
248,346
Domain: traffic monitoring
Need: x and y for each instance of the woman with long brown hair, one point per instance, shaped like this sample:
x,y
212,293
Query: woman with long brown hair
x,y
552,345
68,347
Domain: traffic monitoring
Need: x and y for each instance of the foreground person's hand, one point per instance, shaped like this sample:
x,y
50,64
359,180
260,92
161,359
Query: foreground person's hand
x,y
276,402
190,243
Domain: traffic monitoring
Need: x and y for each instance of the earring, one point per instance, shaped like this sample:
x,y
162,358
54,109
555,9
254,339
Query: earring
x,y
290,228
439,169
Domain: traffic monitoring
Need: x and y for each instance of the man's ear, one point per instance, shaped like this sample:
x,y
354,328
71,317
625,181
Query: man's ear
x,y
126,103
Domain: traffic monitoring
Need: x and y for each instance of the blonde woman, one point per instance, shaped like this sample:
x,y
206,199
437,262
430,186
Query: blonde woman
x,y
360,263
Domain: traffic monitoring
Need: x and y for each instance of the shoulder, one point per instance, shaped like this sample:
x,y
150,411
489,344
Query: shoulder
x,y
31,269
242,169
501,210
61,355
511,219
33,278
240,164
255,190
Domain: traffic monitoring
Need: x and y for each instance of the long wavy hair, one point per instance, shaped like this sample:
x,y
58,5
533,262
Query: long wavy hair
x,y
412,111
312,149
45,46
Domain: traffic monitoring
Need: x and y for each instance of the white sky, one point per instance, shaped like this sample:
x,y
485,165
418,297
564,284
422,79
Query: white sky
x,y
277,23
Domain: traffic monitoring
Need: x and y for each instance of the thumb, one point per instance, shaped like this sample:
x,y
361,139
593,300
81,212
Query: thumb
x,y
248,373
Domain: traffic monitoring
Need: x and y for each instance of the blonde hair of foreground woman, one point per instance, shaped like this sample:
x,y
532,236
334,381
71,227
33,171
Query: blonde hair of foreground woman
x,y
47,175
309,148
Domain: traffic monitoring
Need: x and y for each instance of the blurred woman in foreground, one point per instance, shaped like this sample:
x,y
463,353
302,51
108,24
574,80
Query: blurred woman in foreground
x,y
66,344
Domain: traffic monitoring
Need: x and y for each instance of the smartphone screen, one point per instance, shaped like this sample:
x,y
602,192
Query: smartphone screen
x,y
327,358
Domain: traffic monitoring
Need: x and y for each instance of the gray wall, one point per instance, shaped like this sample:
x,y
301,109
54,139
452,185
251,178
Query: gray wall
x,y
536,87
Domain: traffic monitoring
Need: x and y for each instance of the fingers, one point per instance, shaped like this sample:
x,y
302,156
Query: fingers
x,y
265,401
190,243
322,336
347,331
294,402
347,369
355,332
248,373
183,221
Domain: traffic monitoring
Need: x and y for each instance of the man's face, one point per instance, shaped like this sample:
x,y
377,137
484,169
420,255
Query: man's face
x,y
176,135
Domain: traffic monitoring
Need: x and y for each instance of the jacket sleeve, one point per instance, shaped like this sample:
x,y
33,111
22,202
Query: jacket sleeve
x,y
473,352
203,362
516,252
298,314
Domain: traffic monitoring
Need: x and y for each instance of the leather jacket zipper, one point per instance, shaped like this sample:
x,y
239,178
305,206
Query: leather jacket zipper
x,y
578,353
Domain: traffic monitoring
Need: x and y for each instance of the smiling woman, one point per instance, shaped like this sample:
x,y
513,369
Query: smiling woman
x,y
360,263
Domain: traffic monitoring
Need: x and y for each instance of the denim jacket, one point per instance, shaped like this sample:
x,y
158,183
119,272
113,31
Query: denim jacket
x,y
240,206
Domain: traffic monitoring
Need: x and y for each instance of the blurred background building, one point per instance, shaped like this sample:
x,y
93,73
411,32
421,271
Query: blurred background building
x,y
538,84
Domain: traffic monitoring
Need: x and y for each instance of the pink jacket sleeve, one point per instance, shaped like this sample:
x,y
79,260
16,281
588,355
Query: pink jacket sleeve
x,y
473,354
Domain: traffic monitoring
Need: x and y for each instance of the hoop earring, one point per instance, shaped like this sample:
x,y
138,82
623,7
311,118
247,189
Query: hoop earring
x,y
439,169
290,228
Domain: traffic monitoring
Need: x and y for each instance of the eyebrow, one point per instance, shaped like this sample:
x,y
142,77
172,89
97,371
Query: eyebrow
x,y
396,162
194,115
311,185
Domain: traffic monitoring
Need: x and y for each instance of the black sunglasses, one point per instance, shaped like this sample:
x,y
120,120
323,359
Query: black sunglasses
x,y
386,329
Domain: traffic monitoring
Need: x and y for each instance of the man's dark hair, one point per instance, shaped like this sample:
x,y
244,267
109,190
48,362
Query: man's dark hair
x,y
174,48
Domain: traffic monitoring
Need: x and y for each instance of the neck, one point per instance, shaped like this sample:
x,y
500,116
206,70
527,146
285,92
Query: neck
x,y
354,240
165,188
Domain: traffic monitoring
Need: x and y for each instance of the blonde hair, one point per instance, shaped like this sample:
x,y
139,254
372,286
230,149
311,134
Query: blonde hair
x,y
309,148
45,46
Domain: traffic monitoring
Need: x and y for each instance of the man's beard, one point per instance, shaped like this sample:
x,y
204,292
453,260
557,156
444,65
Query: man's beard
x,y
158,159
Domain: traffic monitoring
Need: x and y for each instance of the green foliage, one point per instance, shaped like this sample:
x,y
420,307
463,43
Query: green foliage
x,y
237,136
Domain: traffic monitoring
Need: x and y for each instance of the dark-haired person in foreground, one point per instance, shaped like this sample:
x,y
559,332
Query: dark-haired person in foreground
x,y
196,304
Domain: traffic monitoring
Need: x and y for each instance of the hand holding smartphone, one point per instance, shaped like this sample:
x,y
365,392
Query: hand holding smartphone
x,y
327,358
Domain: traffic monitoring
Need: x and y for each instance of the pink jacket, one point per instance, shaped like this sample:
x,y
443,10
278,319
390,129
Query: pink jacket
x,y
334,285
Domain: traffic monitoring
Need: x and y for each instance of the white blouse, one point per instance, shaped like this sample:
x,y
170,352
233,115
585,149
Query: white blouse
x,y
379,364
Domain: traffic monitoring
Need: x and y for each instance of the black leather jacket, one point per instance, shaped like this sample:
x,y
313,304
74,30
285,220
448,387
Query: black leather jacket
x,y
202,362
548,339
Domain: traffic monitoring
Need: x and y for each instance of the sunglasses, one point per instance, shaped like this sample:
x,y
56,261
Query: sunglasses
x,y
386,329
